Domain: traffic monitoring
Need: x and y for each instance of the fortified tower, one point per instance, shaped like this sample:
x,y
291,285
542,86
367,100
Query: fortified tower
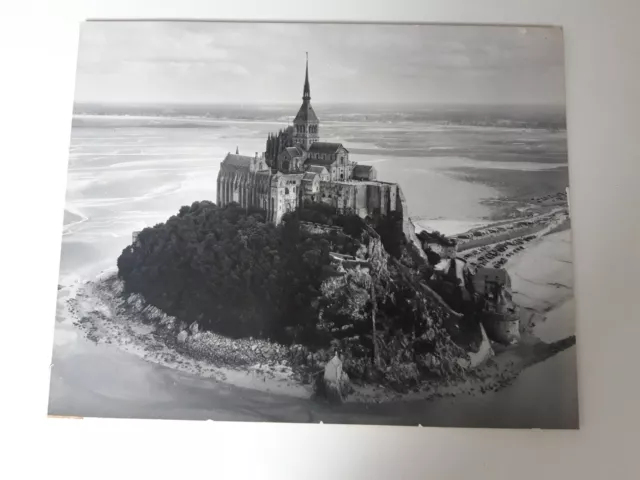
x,y
306,123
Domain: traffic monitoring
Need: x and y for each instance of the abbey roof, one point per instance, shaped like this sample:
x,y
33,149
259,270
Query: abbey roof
x,y
306,114
294,151
325,147
319,169
233,161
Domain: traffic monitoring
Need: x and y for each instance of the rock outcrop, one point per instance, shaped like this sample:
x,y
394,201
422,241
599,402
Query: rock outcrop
x,y
182,337
407,225
333,384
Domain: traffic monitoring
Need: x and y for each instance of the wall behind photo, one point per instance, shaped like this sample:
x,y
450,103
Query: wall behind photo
x,y
602,52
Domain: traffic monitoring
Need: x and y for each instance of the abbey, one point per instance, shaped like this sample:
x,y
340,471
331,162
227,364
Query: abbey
x,y
297,167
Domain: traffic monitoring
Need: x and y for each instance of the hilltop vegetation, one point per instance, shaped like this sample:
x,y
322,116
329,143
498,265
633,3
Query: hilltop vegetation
x,y
237,275
230,271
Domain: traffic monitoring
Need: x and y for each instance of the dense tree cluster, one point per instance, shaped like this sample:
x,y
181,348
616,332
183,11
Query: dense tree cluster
x,y
231,271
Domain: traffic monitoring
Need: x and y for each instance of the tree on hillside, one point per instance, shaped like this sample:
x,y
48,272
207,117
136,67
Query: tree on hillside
x,y
230,271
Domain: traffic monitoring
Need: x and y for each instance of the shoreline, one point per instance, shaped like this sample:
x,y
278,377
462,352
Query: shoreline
x,y
72,218
93,310
92,313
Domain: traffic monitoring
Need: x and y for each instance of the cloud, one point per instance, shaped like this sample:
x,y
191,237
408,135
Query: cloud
x,y
208,61
231,68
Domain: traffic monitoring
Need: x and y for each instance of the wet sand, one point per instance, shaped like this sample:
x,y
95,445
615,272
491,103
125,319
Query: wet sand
x,y
542,281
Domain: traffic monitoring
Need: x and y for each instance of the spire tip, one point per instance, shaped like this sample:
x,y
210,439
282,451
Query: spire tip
x,y
306,91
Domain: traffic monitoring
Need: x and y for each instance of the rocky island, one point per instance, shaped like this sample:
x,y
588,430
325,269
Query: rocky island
x,y
307,277
223,292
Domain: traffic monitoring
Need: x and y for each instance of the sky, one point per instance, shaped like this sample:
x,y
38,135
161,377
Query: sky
x,y
263,63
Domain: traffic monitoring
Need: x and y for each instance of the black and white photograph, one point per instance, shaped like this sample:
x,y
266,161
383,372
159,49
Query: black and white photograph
x,y
346,223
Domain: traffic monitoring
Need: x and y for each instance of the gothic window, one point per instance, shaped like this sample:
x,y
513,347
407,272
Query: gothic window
x,y
286,191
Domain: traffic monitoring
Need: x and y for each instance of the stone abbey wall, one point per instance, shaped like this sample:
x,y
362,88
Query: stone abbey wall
x,y
363,198
278,194
250,190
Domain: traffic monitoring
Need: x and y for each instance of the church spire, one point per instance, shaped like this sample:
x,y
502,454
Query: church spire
x,y
237,152
306,94
306,123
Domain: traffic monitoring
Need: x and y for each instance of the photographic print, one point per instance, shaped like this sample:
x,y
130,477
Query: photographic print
x,y
336,223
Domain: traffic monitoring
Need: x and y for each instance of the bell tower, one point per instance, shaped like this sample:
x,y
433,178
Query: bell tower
x,y
306,124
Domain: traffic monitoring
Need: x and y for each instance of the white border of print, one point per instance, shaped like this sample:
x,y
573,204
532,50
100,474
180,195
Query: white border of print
x,y
38,49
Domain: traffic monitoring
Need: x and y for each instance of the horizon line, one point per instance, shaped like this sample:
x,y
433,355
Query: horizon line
x,y
317,105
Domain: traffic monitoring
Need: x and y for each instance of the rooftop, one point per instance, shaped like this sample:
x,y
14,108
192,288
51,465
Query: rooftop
x,y
306,114
319,169
325,147
236,161
359,182
294,151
